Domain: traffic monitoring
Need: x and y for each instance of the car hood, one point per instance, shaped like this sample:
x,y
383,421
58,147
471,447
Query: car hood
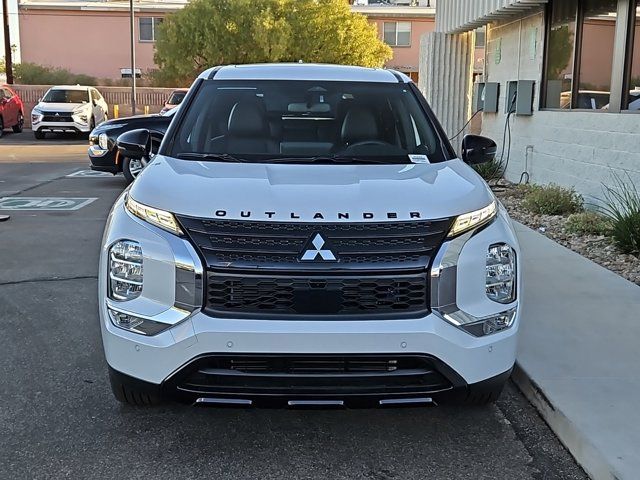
x,y
318,193
59,107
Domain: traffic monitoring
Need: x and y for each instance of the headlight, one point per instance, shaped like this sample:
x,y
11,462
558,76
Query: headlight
x,y
103,141
36,115
469,221
155,216
501,273
133,323
125,270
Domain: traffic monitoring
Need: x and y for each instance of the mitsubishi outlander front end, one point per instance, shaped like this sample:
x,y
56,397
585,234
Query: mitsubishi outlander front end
x,y
306,235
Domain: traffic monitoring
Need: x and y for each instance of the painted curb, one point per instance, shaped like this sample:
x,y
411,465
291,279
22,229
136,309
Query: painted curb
x,y
594,463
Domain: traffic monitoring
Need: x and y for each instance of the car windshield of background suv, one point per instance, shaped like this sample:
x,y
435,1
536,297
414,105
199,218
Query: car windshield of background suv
x,y
66,96
305,122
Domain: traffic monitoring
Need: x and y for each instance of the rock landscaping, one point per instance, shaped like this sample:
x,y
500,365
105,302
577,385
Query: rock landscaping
x,y
585,233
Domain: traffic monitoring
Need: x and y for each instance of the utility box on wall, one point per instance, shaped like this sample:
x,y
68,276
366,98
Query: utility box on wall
x,y
485,97
520,97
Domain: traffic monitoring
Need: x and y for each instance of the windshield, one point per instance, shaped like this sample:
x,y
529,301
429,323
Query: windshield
x,y
306,121
176,98
66,96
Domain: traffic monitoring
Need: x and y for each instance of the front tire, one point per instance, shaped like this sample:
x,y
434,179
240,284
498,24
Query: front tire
x,y
130,395
40,135
18,127
131,168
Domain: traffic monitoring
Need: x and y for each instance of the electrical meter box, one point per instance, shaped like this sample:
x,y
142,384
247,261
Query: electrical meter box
x,y
485,97
520,97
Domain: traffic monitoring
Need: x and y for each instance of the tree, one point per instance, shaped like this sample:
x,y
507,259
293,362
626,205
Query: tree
x,y
218,32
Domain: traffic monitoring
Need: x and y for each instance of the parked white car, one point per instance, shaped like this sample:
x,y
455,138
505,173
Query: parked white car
x,y
306,235
68,109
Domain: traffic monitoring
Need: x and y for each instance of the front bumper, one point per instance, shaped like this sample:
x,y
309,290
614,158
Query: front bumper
x,y
103,160
62,127
463,359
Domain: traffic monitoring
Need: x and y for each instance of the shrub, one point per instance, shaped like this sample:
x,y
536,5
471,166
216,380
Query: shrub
x,y
489,171
621,204
552,200
33,74
588,223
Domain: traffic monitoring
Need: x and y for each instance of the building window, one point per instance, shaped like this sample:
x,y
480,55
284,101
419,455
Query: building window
x,y
581,41
633,99
147,27
481,37
397,34
598,25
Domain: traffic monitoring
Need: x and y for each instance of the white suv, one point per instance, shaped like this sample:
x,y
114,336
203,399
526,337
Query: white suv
x,y
68,109
306,235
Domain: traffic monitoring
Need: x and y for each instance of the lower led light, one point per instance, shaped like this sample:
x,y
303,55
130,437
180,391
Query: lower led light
x,y
135,324
491,324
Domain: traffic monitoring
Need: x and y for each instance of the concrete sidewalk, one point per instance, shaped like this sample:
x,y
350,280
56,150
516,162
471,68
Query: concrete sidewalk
x,y
579,355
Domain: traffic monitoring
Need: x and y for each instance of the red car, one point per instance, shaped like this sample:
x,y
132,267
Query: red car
x,y
11,110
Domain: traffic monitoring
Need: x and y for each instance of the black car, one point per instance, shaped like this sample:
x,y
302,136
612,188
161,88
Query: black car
x,y
103,151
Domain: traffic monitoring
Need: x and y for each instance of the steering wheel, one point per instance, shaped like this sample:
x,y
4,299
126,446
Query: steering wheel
x,y
369,142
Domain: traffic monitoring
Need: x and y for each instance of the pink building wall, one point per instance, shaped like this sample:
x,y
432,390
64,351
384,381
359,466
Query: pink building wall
x,y
93,43
407,59
97,43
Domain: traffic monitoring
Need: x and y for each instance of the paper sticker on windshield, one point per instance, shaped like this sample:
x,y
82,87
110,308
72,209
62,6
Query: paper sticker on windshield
x,y
419,159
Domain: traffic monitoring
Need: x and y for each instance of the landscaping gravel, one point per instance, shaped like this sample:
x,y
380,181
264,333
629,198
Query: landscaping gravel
x,y
598,248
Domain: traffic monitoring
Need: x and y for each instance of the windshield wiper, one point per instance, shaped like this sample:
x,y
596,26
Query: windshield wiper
x,y
326,159
220,157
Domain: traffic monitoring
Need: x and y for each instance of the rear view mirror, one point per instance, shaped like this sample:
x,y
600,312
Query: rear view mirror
x,y
135,144
477,149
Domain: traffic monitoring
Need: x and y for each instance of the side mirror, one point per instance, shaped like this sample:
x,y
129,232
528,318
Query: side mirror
x,y
477,149
135,144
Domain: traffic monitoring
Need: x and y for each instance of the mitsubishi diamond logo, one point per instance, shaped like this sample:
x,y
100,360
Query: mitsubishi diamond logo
x,y
312,254
57,114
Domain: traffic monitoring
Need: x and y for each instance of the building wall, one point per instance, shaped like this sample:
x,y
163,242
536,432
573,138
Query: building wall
x,y
93,43
407,59
578,149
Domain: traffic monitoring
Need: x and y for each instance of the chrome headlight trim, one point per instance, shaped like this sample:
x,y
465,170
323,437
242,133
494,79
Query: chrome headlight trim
x,y
443,286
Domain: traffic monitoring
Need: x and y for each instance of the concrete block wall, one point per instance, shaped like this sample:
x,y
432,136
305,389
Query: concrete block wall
x,y
580,149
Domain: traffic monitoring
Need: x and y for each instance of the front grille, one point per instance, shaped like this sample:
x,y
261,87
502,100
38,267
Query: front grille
x,y
249,245
57,117
278,296
312,375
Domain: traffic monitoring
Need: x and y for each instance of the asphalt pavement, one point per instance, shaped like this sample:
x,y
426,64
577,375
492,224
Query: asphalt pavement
x,y
59,420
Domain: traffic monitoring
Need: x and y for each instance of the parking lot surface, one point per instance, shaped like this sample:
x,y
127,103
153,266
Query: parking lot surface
x,y
59,419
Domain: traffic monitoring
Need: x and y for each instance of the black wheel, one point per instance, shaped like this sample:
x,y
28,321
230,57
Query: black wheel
x,y
39,134
17,128
1,127
129,395
131,168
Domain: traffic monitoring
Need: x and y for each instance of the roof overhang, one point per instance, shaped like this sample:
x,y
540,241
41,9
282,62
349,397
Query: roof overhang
x,y
458,16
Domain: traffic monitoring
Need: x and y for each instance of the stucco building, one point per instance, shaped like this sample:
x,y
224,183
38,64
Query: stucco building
x,y
92,37
583,57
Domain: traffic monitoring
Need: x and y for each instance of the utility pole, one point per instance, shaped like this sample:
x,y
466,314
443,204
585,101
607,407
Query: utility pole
x,y
7,42
133,58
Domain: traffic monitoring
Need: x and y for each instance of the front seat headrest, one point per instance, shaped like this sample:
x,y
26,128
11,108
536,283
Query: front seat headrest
x,y
248,119
359,124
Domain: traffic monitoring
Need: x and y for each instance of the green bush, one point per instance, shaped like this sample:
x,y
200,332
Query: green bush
x,y
552,200
588,223
489,171
621,204
33,74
